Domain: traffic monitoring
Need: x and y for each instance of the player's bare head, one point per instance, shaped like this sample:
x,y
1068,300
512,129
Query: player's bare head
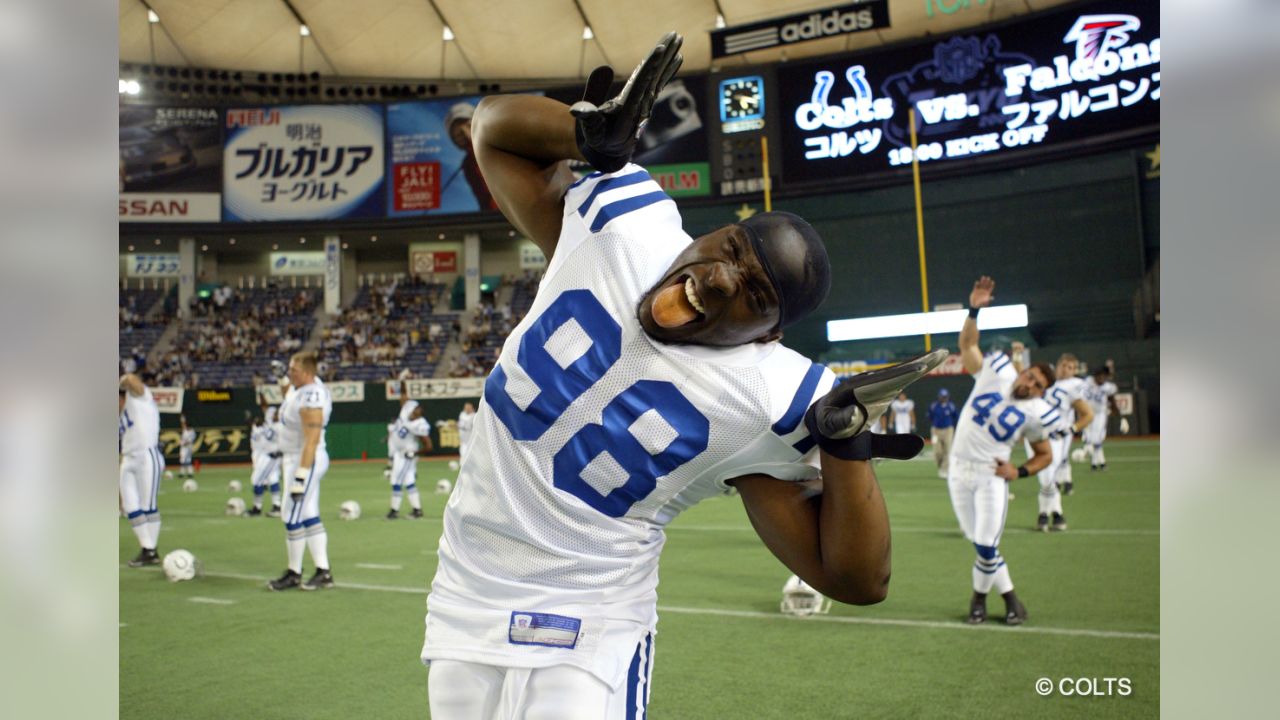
x,y
1102,372
182,420
468,408
1067,366
1033,381
739,284
302,368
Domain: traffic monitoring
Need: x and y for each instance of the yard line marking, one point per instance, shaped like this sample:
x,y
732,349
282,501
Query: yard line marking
x,y
210,601
936,530
124,625
930,624
376,566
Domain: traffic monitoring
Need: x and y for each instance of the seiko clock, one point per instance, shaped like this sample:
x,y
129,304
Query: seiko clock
x,y
742,99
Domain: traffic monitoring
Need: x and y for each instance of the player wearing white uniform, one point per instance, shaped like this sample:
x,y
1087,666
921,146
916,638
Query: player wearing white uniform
x,y
186,446
303,417
645,378
1100,393
1073,414
466,421
405,431
904,414
1005,405
264,444
141,465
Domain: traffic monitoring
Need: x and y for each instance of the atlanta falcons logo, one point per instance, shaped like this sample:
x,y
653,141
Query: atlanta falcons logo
x,y
1094,34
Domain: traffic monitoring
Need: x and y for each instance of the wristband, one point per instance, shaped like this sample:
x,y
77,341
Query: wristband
x,y
1022,471
973,312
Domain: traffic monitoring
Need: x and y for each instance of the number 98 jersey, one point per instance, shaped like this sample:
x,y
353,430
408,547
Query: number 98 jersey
x,y
992,420
591,436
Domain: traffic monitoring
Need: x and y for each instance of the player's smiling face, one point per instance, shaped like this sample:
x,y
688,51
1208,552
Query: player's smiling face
x,y
716,292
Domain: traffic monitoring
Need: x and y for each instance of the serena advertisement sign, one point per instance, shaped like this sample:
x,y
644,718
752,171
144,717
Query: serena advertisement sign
x,y
1092,70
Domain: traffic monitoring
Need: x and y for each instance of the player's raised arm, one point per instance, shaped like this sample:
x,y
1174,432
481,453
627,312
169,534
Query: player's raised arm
x,y
838,542
1084,415
132,384
520,140
981,296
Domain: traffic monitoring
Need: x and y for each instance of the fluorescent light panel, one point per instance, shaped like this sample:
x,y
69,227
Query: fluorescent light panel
x,y
933,323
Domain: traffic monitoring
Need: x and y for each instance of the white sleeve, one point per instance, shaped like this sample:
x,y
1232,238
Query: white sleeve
x,y
419,427
312,398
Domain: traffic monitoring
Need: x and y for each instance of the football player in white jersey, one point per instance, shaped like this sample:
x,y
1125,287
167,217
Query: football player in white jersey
x,y
186,446
1004,406
264,444
466,420
404,434
1100,393
646,376
303,417
1073,415
141,465
904,414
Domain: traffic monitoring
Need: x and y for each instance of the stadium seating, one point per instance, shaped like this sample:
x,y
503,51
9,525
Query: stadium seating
x,y
232,343
387,329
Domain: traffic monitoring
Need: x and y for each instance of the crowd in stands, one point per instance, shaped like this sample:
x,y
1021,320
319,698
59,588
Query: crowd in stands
x,y
391,325
401,325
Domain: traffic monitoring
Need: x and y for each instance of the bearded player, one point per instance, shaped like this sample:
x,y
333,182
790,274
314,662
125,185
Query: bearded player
x,y
646,376
1005,405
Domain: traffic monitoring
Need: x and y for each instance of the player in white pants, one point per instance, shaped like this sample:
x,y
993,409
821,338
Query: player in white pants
x,y
904,414
303,417
186,446
1100,393
264,444
408,427
1004,406
141,466
466,419
1071,416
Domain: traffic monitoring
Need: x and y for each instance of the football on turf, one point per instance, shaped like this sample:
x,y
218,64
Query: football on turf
x,y
443,486
168,474
190,485
349,510
180,565
453,464
235,507
1078,455
234,486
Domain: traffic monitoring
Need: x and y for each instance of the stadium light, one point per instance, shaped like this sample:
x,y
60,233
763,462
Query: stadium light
x,y
152,17
448,33
130,87
586,32
719,21
933,323
304,31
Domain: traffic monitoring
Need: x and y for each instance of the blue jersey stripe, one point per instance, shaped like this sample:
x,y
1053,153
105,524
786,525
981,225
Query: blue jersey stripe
x,y
1000,365
800,403
618,208
612,183
585,178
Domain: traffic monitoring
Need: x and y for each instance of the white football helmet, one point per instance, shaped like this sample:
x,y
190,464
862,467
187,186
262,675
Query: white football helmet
x,y
234,486
349,510
801,600
443,487
181,565
1079,455
235,506
190,485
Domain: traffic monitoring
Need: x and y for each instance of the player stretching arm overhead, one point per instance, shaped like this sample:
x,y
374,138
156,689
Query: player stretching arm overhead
x,y
1004,405
646,376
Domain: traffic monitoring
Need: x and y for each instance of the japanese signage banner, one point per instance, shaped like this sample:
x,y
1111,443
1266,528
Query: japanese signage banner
x,y
298,262
151,265
305,162
170,164
168,399
429,389
211,442
431,168
339,391
1066,76
425,262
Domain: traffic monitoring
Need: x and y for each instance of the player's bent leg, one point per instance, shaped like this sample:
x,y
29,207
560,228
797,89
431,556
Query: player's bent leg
x,y
462,690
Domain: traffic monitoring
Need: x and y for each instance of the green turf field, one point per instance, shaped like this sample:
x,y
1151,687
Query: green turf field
x,y
223,646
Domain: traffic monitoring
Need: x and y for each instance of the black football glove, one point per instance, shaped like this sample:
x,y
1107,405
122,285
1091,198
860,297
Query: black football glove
x,y
839,420
607,128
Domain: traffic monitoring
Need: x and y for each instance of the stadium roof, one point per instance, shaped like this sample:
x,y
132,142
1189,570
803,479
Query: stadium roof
x,y
493,39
